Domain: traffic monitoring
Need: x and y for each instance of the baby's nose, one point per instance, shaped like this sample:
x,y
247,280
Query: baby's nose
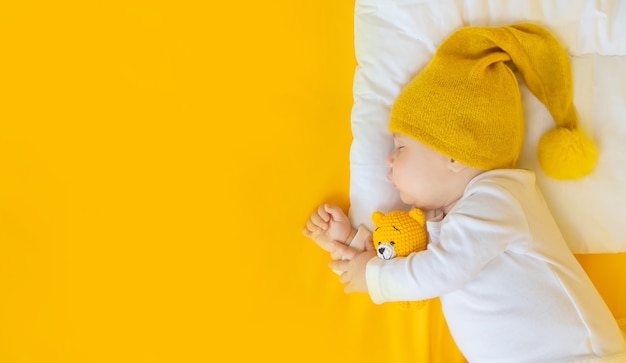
x,y
390,157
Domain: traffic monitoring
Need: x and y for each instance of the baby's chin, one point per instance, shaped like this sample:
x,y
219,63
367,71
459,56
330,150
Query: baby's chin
x,y
413,202
406,199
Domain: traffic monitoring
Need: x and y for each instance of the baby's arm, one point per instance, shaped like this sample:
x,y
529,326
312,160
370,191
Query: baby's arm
x,y
328,224
469,239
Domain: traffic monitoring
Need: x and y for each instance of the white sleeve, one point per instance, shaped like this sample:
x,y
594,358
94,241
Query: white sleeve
x,y
362,237
478,229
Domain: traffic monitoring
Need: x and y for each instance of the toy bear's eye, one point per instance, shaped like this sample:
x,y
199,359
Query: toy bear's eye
x,y
379,243
394,227
392,243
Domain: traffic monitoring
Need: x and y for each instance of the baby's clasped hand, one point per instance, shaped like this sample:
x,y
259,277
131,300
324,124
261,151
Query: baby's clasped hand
x,y
328,224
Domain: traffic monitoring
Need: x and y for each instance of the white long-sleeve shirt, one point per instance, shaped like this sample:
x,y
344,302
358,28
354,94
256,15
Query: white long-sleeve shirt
x,y
510,288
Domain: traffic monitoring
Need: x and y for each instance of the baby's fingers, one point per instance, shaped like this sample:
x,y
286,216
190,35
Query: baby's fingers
x,y
322,213
320,220
313,228
335,212
339,265
342,250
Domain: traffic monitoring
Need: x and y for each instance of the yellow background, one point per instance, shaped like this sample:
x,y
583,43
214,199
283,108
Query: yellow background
x,y
157,163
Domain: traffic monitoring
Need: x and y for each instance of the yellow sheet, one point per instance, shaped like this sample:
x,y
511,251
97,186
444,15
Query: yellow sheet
x,y
609,276
157,163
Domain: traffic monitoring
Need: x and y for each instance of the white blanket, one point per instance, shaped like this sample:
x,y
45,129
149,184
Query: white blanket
x,y
394,39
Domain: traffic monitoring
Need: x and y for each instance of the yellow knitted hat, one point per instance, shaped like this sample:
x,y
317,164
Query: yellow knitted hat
x,y
466,102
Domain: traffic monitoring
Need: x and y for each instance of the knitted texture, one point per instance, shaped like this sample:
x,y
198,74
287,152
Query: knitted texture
x,y
466,102
403,233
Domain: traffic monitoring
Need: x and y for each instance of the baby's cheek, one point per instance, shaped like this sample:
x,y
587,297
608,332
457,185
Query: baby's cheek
x,y
400,177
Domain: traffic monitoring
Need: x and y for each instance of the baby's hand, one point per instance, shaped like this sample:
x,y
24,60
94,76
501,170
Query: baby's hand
x,y
352,269
328,224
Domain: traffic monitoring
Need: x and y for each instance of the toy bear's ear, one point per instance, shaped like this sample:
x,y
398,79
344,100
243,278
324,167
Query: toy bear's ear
x,y
418,215
377,217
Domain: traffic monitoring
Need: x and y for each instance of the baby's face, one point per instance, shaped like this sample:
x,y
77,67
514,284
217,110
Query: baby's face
x,y
419,173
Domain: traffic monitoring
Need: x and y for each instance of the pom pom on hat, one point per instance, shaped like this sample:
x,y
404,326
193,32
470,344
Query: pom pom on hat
x,y
566,154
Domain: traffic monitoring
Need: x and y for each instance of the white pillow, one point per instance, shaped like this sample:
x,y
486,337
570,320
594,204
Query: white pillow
x,y
394,39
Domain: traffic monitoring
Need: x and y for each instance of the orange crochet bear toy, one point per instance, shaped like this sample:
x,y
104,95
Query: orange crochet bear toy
x,y
399,233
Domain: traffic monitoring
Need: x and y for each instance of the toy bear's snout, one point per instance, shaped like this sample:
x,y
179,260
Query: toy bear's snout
x,y
386,251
